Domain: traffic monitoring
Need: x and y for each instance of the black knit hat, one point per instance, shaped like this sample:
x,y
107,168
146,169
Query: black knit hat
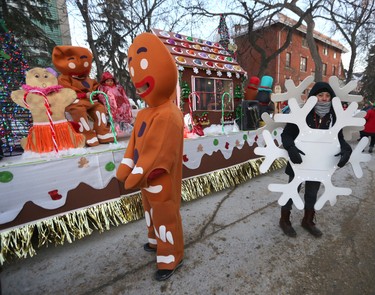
x,y
320,87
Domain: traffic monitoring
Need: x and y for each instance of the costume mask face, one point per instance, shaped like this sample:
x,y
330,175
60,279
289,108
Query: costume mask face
x,y
72,60
40,77
152,69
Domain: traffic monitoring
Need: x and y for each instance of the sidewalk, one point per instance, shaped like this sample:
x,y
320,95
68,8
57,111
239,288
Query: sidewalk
x,y
233,245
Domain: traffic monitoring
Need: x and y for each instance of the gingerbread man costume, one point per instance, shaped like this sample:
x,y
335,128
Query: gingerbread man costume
x,y
153,158
74,63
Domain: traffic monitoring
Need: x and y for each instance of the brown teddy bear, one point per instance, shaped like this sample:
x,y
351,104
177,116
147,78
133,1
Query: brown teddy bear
x,y
47,101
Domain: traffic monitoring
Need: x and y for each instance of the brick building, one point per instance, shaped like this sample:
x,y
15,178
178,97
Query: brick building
x,y
295,62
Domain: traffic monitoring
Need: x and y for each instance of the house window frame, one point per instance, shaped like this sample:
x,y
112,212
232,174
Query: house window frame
x,y
325,49
303,64
324,69
288,59
215,95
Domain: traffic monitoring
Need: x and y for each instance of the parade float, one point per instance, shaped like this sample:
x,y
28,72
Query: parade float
x,y
65,194
62,198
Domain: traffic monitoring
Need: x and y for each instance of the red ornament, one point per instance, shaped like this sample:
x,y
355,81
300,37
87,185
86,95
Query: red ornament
x,y
55,195
185,158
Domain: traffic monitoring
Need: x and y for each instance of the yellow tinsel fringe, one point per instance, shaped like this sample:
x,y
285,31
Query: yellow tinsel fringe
x,y
18,242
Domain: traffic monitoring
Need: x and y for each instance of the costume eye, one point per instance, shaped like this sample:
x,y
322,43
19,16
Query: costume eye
x,y
36,76
144,64
86,64
46,76
71,65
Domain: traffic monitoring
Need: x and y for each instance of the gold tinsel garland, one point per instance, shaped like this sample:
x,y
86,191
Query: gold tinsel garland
x,y
18,242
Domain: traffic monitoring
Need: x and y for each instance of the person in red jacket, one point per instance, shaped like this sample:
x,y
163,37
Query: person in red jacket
x,y
369,128
119,104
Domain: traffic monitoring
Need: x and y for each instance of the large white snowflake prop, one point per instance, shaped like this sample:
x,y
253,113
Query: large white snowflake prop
x,y
320,146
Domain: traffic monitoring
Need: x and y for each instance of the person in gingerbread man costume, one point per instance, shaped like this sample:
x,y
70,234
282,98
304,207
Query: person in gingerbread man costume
x,y
153,158
74,63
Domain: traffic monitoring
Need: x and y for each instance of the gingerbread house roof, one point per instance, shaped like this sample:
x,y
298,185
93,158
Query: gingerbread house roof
x,y
193,53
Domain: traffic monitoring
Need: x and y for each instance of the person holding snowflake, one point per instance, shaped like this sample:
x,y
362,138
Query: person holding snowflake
x,y
322,116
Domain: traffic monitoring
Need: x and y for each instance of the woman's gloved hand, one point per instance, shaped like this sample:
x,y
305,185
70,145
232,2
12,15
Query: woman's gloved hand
x,y
345,156
295,154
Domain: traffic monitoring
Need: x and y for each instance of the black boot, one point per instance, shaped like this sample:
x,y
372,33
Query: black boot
x,y
285,223
309,225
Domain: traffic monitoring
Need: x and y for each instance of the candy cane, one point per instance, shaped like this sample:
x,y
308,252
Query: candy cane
x,y
222,109
48,112
109,111
190,105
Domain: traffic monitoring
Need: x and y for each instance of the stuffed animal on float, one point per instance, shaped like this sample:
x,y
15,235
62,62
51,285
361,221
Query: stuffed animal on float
x,y
264,95
252,88
74,63
153,158
47,101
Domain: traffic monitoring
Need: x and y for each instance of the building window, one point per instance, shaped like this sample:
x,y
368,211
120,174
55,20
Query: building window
x,y
333,70
324,69
303,64
304,42
288,59
334,55
210,92
325,50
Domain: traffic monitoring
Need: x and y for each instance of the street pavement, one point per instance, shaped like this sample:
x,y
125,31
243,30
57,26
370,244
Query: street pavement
x,y
233,245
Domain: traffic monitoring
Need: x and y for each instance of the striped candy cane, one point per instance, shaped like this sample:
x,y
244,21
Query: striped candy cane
x,y
48,112
113,129
222,109
191,106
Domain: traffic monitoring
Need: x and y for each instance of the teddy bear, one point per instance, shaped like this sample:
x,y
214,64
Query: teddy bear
x,y
74,63
47,101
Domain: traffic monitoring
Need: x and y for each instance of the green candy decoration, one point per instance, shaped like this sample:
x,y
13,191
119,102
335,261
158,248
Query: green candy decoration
x,y
245,137
6,176
185,90
110,166
216,141
238,93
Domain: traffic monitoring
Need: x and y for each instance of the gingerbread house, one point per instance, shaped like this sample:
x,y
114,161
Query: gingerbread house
x,y
211,80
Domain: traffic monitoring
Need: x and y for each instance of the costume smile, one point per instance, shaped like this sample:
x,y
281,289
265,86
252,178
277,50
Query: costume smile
x,y
145,86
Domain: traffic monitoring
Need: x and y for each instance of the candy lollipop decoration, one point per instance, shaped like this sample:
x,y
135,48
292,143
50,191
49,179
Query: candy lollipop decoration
x,y
48,112
109,112
222,109
195,128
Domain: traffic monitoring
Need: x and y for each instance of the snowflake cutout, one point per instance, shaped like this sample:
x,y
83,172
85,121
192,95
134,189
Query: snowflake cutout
x,y
316,166
219,73
181,68
195,70
208,72
229,74
343,93
293,91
